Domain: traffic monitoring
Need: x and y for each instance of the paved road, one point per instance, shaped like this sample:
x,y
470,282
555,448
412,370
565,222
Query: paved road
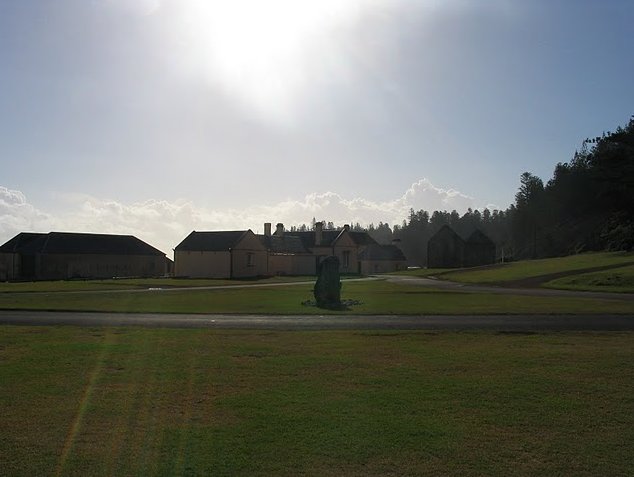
x,y
504,323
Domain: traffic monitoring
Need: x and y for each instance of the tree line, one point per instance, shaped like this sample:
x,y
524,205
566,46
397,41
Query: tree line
x,y
587,205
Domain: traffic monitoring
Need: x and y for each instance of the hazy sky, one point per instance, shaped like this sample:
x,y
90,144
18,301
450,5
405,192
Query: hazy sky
x,y
156,117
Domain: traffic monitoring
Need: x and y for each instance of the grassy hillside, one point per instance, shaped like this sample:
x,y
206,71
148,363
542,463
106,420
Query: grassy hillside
x,y
516,271
615,280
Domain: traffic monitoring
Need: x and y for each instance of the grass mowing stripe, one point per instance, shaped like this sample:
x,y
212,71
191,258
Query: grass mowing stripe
x,y
319,403
87,393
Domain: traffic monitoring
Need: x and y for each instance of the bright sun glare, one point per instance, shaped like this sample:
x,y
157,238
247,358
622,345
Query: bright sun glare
x,y
258,50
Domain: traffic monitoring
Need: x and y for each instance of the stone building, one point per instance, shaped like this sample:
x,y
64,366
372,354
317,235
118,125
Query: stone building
x,y
377,258
287,254
479,250
62,255
229,254
205,254
348,246
446,249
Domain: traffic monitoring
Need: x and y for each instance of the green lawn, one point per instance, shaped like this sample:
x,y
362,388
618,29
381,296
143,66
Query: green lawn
x,y
376,297
615,280
92,401
534,268
423,272
135,283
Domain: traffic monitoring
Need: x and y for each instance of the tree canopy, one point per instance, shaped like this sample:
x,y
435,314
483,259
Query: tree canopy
x,y
588,204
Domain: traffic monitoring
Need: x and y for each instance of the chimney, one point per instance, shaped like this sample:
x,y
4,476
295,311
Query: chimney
x,y
267,229
319,227
279,229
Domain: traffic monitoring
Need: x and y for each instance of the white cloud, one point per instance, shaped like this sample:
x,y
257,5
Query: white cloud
x,y
17,215
164,224
424,195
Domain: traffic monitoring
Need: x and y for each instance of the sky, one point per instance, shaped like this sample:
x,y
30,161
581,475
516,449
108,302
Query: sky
x,y
158,117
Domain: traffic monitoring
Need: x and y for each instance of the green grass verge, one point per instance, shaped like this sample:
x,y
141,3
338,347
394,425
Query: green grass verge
x,y
534,268
135,283
620,280
376,297
423,272
92,401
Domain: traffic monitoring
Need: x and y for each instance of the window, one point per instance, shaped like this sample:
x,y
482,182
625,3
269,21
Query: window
x,y
346,259
250,260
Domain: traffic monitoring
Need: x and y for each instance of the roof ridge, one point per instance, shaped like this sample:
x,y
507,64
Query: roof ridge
x,y
242,236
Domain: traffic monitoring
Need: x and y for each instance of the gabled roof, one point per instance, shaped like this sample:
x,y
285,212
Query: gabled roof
x,y
328,237
446,232
283,244
211,241
478,237
381,252
80,243
19,241
362,238
308,238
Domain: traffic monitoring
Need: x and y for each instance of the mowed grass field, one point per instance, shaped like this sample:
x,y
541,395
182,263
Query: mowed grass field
x,y
95,401
534,268
575,265
135,284
619,280
374,297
